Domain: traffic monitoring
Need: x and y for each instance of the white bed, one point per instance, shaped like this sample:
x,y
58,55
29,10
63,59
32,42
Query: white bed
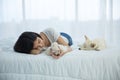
x,y
76,65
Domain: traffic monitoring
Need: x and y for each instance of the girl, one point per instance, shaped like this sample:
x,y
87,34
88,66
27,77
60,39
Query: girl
x,y
34,43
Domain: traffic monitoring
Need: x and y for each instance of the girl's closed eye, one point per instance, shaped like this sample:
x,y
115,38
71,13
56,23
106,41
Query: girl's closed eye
x,y
39,41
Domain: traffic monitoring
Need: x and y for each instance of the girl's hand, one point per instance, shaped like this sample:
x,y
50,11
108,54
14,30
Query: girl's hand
x,y
61,54
35,51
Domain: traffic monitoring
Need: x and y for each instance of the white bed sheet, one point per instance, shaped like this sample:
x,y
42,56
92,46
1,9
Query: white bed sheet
x,y
76,65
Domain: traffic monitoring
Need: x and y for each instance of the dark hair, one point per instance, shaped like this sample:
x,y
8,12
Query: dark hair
x,y
24,44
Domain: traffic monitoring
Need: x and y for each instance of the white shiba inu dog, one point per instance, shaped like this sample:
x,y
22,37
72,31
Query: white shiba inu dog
x,y
96,44
56,49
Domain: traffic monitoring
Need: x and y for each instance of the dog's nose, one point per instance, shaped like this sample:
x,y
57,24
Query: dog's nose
x,y
79,48
57,54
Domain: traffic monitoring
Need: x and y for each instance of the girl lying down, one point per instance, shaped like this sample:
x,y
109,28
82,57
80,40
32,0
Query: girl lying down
x,y
34,43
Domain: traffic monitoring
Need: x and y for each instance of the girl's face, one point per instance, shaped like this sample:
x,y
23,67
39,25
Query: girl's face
x,y
38,43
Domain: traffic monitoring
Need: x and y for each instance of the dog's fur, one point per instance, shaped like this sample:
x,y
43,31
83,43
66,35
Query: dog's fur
x,y
56,49
96,44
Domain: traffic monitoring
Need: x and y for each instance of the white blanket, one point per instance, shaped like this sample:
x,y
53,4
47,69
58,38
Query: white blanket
x,y
75,65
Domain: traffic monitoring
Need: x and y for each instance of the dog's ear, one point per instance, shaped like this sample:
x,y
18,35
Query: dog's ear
x,y
86,38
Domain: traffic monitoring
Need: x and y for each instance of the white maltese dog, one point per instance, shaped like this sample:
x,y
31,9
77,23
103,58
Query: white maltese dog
x,y
96,44
56,49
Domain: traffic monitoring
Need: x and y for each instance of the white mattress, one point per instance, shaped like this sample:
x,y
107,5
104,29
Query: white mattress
x,y
76,65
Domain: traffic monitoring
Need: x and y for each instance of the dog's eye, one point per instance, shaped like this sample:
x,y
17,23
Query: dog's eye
x,y
59,51
92,45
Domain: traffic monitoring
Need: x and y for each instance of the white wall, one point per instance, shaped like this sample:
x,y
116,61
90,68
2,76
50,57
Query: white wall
x,y
76,29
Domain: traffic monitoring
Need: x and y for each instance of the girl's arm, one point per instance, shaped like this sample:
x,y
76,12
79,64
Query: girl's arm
x,y
57,57
62,42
